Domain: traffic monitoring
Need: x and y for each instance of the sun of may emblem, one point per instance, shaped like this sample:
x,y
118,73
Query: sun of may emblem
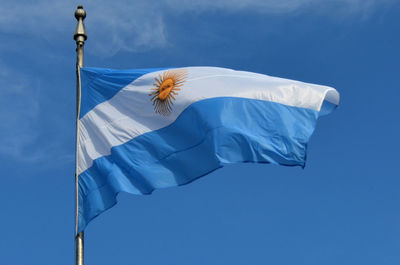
x,y
166,89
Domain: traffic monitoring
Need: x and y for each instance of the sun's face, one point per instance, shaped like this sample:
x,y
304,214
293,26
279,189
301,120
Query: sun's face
x,y
165,89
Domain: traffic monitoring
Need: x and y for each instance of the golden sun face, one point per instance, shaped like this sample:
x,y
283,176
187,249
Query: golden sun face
x,y
165,89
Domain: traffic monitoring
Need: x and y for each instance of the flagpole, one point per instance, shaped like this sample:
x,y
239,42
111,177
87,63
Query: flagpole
x,y
79,36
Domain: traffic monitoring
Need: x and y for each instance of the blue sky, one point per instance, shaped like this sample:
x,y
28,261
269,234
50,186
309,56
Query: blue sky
x,y
343,208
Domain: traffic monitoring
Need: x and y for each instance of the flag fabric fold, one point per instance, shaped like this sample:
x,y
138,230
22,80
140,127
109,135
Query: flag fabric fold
x,y
146,129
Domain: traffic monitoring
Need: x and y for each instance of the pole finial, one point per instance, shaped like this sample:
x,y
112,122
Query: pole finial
x,y
80,31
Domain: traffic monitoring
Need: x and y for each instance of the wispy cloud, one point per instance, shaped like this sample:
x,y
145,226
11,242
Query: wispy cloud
x,y
20,113
126,26
19,108
142,25
282,6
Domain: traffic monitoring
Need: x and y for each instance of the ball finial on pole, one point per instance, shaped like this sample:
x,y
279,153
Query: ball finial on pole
x,y
80,12
80,32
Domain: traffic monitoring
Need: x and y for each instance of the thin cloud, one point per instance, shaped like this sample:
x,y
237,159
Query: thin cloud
x,y
142,25
282,6
126,26
20,113
19,108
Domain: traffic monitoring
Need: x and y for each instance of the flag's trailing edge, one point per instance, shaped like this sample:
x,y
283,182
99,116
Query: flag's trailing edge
x,y
141,130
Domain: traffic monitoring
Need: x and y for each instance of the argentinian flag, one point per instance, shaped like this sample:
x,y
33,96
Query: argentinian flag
x,y
141,130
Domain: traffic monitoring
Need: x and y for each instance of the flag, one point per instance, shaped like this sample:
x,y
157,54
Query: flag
x,y
146,129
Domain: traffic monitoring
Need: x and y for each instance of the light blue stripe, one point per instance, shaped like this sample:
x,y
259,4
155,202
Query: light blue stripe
x,y
327,108
101,84
207,135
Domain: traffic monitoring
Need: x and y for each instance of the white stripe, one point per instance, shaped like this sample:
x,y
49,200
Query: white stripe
x,y
130,112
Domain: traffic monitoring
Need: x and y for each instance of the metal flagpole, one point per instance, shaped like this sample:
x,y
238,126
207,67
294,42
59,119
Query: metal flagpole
x,y
80,37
